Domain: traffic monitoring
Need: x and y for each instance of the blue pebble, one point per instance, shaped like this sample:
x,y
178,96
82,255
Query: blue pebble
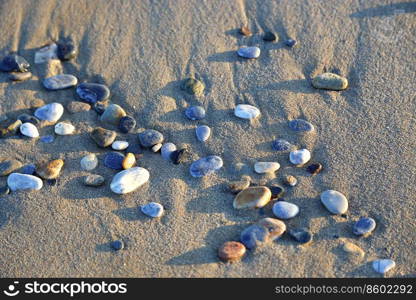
x,y
254,236
301,125
117,245
150,137
364,226
28,169
114,160
282,145
195,113
92,92
249,52
285,210
152,209
203,133
205,166
127,124
47,139
290,43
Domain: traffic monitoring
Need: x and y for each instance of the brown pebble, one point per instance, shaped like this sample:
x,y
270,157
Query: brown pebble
x,y
51,169
231,251
128,161
275,227
20,76
314,168
77,106
252,197
237,186
245,31
290,180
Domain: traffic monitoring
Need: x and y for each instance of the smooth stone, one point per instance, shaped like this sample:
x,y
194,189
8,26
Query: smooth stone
x,y
249,52
382,266
205,166
114,160
246,111
181,156
129,180
254,236
127,124
51,169
195,113
152,209
14,63
100,106
156,147
94,180
4,190
274,227
117,245
103,137
364,226
245,31
30,130
26,118
113,114
277,191
300,235
77,106
20,76
334,201
314,168
203,133
282,145
290,180
63,128
266,167
237,186
60,82
92,92
330,81
28,169
17,182
231,251
285,210
193,86
89,162
353,250
150,137
252,197
50,112
129,161
167,150
47,139
66,50
46,53
270,37
300,125
299,157
290,43
9,166
120,145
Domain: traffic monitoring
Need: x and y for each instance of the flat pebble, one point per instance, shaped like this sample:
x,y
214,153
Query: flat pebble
x,y
94,180
299,157
249,52
290,43
77,106
195,113
129,180
290,180
382,266
120,145
167,150
237,186
9,166
103,137
181,156
334,201
277,191
152,209
193,86
282,145
285,210
14,63
270,37
300,235
117,245
20,76
203,133
66,50
50,112
266,167
46,53
60,82
114,160
254,236
47,139
301,125
205,166
129,161
63,128
113,114
92,92
364,226
28,169
330,81
127,124
231,251
50,169
252,197
17,182
246,111
89,162
150,137
30,130
275,227
315,168
156,147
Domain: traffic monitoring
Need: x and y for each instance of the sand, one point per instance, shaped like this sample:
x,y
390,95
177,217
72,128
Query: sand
x,y
365,137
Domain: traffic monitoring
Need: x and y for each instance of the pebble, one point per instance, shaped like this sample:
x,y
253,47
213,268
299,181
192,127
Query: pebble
x,y
150,137
181,156
246,111
203,133
14,63
237,186
254,236
252,197
315,168
20,76
249,52
114,160
290,43
117,245
100,107
156,147
26,118
275,227
47,139
353,250
299,157
129,180
113,114
231,251
195,113
245,31
167,150
92,92
128,161
30,130
193,86
300,235
94,180
103,137
335,202
120,145
63,128
382,266
46,53
28,169
266,167
89,162
60,82
77,106
300,125
11,129
330,81
277,191
50,170
205,166
270,37
9,166
4,190
17,182
50,112
67,50
282,145
285,210
127,124
364,226
152,209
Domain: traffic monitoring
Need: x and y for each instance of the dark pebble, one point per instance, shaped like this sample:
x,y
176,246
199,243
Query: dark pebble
x,y
282,145
26,118
4,190
114,160
127,124
100,107
300,235
195,113
117,245
181,156
14,63
92,92
314,168
52,182
300,125
67,50
364,226
150,137
28,169
277,191
103,137
270,37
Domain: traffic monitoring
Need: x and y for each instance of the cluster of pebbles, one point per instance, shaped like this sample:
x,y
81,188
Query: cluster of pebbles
x,y
130,177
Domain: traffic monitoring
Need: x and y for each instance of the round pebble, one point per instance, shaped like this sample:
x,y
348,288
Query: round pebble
x,y
60,82
92,92
330,81
300,125
20,76
44,54
203,133
47,139
9,166
300,235
195,113
17,182
129,161
246,111
167,150
89,162
63,128
270,37
50,112
114,160
30,130
382,266
334,201
117,245
315,168
266,167
152,209
113,114
14,63
252,197
77,106
94,180
231,251
299,157
103,137
364,226
282,145
129,180
120,145
254,236
66,50
275,227
127,124
249,52
285,210
150,137
50,169
193,86
205,166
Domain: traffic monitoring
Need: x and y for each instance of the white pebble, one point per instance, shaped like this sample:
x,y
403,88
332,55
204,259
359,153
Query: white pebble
x,y
152,209
299,157
266,167
30,130
46,53
63,128
129,180
120,145
382,266
167,150
156,147
246,111
17,182
89,162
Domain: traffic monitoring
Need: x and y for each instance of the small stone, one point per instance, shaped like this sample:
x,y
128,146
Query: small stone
x,y
245,111
301,236
282,145
266,167
100,107
113,114
181,156
290,43
203,133
231,251
364,226
353,250
277,191
245,31
270,37
14,63
30,130
52,182
129,180
114,160
63,128
205,166
50,112
156,147
237,186
315,168
335,202
47,139
129,161
300,125
17,182
9,166
150,137
20,76
28,169
46,53
330,81
26,118
127,124
290,180
195,113
92,92
103,137
51,169
193,86
152,209
274,227
11,129
299,157
120,145
77,106
382,266
60,82
36,103
94,180
89,162
167,150
285,210
249,52
254,236
66,50
252,197
4,190
117,245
